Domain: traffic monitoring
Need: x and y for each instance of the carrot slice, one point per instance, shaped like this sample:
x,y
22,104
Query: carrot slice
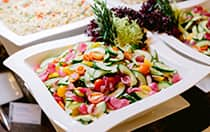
x,y
81,70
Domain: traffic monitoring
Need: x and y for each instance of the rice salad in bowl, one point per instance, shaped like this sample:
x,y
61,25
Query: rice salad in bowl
x,y
25,17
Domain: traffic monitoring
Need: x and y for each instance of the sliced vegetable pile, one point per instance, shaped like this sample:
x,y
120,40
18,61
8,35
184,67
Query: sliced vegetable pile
x,y
195,25
92,79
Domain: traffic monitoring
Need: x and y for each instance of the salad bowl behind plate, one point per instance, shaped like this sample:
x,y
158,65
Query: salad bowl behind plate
x,y
184,49
23,63
189,52
14,42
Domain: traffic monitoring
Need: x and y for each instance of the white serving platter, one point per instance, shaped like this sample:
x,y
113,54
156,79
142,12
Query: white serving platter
x,y
161,111
14,42
23,62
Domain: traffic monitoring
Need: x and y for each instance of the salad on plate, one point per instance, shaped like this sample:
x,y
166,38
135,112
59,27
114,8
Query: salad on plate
x,y
195,26
113,70
192,27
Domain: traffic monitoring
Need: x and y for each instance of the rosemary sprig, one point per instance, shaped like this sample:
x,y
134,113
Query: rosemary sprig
x,y
104,19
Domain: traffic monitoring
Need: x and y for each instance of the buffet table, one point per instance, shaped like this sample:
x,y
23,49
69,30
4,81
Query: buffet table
x,y
193,106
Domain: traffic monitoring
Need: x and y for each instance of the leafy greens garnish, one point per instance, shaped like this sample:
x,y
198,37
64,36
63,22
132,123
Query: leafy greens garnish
x,y
110,28
128,32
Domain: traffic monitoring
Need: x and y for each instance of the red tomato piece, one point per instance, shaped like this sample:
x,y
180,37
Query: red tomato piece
x,y
98,84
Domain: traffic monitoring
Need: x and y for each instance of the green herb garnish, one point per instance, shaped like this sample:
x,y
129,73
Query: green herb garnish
x,y
104,19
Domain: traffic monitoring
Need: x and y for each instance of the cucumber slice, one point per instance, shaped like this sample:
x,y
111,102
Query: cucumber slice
x,y
142,53
64,81
111,51
199,36
99,49
100,109
72,107
194,30
106,57
141,78
162,67
155,56
98,74
129,97
203,43
163,85
102,66
123,69
155,72
142,94
188,25
203,25
52,81
108,63
87,80
119,91
69,104
77,59
85,119
119,57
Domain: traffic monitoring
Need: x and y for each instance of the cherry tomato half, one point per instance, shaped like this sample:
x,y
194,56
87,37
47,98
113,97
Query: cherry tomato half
x,y
95,97
98,83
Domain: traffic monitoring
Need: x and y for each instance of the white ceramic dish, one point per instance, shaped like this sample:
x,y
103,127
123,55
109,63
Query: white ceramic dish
x,y
184,49
13,42
28,57
183,4
9,88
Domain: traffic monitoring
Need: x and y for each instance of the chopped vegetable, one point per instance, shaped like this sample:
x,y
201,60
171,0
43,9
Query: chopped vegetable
x,y
91,89
195,27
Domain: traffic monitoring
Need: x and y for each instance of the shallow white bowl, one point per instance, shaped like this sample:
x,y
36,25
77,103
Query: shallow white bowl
x,y
23,61
14,42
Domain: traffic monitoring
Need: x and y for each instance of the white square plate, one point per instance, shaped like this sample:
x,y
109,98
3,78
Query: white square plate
x,y
23,61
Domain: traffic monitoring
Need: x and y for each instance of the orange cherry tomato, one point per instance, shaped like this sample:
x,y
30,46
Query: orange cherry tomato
x,y
203,48
95,97
127,55
144,69
86,57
